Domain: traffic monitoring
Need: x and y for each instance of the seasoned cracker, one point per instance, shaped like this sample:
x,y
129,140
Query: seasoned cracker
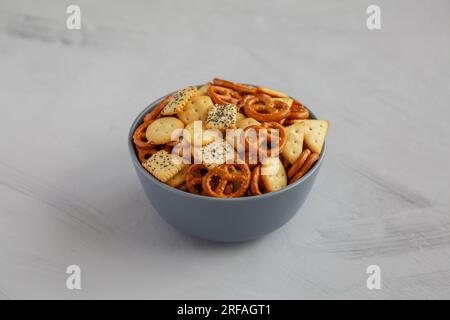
x,y
222,116
294,141
196,109
178,101
162,165
273,174
217,153
160,131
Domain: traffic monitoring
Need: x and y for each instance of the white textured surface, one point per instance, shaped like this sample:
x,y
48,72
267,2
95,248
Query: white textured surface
x,y
69,194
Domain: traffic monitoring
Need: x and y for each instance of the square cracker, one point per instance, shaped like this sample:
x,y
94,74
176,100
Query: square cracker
x,y
178,101
315,133
294,141
222,116
163,166
273,174
180,178
217,153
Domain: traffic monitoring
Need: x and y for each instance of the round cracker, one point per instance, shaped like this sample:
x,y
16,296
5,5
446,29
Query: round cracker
x,y
201,136
160,131
247,122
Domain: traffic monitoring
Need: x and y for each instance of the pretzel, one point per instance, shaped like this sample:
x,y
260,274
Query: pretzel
x,y
265,109
312,158
194,178
235,86
144,154
156,110
139,137
264,144
298,111
255,184
227,181
221,95
298,163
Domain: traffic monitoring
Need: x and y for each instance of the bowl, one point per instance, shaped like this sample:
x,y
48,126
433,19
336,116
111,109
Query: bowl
x,y
219,219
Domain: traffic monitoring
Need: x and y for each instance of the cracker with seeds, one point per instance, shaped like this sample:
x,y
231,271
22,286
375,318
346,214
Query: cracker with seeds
x,y
273,174
163,165
221,116
294,141
196,109
315,133
217,153
178,101
160,131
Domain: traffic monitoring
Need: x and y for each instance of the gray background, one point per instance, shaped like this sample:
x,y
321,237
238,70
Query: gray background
x,y
69,194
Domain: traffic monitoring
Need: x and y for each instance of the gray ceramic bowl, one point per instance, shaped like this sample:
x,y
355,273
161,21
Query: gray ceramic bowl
x,y
217,219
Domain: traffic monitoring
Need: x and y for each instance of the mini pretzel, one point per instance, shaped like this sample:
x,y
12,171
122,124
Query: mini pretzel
x,y
221,95
265,109
194,178
305,167
264,146
299,163
298,111
144,154
227,181
139,138
235,86
156,110
255,182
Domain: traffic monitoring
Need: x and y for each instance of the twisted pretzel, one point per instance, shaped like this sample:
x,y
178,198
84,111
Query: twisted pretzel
x,y
221,95
265,109
235,86
227,181
298,111
312,158
139,138
298,163
255,181
263,143
194,178
156,110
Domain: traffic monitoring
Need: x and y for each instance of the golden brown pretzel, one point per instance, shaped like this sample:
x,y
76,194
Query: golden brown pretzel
x,y
305,167
227,181
265,109
298,163
139,138
298,111
263,144
194,178
235,86
223,95
156,110
255,181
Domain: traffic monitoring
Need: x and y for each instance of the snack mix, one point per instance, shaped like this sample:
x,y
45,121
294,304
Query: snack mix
x,y
229,140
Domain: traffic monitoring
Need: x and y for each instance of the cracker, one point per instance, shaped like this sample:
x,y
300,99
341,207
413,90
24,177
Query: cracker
x,y
315,133
273,174
273,93
196,109
288,101
222,116
179,178
294,141
247,122
203,90
239,116
160,131
217,153
178,101
199,135
162,165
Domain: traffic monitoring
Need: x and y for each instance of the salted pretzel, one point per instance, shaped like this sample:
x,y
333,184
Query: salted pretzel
x,y
235,86
265,109
139,138
156,110
194,178
227,181
298,163
262,141
255,181
222,95
312,158
298,111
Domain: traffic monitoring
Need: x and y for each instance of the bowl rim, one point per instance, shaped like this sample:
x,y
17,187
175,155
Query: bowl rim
x,y
138,120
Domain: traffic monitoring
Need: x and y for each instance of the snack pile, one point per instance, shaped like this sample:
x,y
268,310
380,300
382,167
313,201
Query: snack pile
x,y
229,140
